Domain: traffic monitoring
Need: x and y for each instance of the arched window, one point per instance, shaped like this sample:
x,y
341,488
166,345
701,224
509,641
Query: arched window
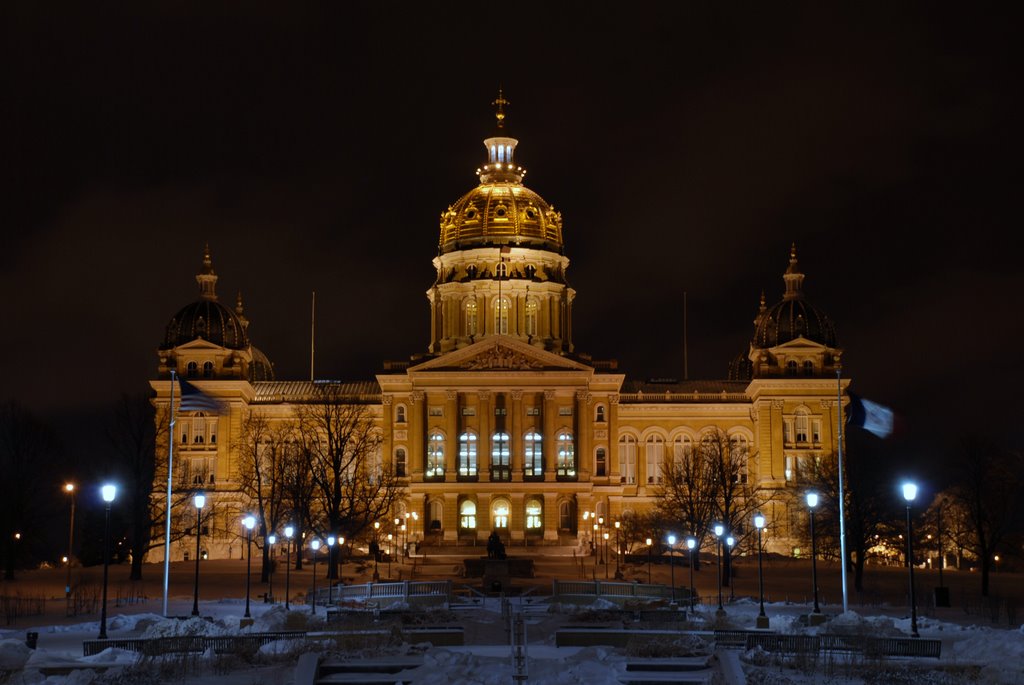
x,y
627,458
600,463
198,436
808,368
400,414
533,463
565,465
470,310
192,370
467,456
500,509
435,456
682,449
654,455
501,270
534,514
802,424
400,462
500,469
738,453
599,417
436,514
207,369
791,367
467,515
531,316
501,310
212,429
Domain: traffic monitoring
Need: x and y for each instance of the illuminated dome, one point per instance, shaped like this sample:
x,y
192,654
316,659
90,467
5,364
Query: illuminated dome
x,y
206,318
793,317
501,210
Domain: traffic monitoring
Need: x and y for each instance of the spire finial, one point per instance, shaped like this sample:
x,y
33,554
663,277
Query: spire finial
x,y
793,277
500,104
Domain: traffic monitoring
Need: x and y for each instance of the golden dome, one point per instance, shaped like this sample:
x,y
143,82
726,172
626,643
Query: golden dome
x,y
501,210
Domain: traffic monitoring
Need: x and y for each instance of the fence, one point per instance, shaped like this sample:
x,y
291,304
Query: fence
x,y
183,644
408,591
613,591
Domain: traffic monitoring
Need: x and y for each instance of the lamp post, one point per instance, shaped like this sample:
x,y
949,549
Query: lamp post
x,y
109,492
606,564
762,618
341,560
618,551
730,542
289,531
691,544
649,545
199,499
271,540
315,545
391,553
812,502
330,563
376,552
70,489
909,494
719,531
600,538
672,564
249,522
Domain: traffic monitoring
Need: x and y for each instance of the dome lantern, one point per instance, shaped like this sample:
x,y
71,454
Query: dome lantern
x,y
206,278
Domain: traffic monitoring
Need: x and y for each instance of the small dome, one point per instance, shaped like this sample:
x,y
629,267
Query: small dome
x,y
260,368
794,317
209,320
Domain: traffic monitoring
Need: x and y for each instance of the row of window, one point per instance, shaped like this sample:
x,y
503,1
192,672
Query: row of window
x,y
400,414
192,370
197,431
467,461
502,307
533,514
801,428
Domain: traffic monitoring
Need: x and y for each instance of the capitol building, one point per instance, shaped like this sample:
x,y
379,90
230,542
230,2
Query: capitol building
x,y
498,423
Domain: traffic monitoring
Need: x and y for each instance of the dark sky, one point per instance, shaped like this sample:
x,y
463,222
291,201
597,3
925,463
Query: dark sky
x,y
686,145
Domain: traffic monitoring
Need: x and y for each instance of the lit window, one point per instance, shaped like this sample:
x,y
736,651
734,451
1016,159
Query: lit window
x,y
467,455
600,465
739,454
627,458
654,454
682,448
565,465
400,462
534,515
789,468
801,426
500,511
787,431
501,309
467,515
600,414
816,430
533,464
531,316
470,309
435,456
500,457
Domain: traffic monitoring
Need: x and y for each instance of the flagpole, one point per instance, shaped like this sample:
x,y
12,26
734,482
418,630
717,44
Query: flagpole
x,y
167,515
842,517
312,336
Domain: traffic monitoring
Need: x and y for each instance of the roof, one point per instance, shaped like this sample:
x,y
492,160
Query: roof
x,y
271,392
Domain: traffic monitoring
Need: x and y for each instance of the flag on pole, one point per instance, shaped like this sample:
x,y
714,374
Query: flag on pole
x,y
194,399
871,416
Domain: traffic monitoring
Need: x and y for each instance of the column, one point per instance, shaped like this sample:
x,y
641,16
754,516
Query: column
x,y
451,517
516,435
551,517
550,416
417,433
486,419
517,516
388,430
584,458
452,420
613,466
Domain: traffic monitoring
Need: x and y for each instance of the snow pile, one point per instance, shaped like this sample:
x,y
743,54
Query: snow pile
x,y
13,655
1000,651
852,623
112,656
195,625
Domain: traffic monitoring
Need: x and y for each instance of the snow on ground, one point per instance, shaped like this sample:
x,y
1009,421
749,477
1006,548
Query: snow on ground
x,y
984,654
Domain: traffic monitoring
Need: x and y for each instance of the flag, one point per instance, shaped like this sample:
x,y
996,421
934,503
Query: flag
x,y
194,399
871,416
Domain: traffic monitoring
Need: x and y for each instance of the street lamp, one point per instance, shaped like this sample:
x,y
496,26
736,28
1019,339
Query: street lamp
x,y
289,531
330,563
812,502
909,494
249,522
719,531
70,489
315,544
605,536
730,542
200,501
691,543
391,553
271,540
672,564
376,552
649,545
762,618
109,492
600,529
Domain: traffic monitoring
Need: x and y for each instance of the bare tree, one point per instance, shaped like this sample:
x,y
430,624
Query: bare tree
x,y
262,448
688,493
353,487
25,446
987,486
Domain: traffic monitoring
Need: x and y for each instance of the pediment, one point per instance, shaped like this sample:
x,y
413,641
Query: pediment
x,y
800,343
199,344
500,353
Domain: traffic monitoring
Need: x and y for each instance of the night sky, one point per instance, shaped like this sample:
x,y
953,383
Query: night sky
x,y
314,148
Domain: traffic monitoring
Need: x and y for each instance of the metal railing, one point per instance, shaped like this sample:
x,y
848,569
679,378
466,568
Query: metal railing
x,y
609,590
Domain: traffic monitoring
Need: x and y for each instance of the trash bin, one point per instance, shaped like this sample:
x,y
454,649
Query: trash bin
x,y
942,597
31,639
